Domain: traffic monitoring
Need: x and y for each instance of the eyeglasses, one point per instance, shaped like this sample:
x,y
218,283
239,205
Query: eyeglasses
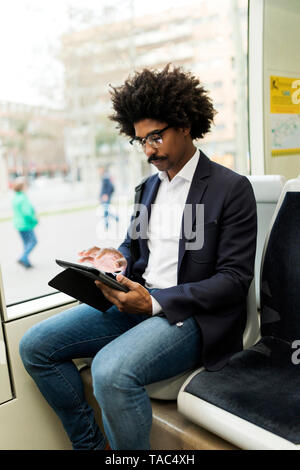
x,y
154,139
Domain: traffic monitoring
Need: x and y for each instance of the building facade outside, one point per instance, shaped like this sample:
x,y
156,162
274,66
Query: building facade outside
x,y
32,142
207,38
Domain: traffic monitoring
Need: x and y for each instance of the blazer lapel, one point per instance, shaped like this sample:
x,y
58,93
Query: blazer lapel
x,y
196,192
147,199
150,195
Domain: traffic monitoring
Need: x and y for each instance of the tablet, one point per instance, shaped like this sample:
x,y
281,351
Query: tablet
x,y
94,273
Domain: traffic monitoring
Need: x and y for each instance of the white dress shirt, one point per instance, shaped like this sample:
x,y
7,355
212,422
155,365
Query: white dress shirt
x,y
164,228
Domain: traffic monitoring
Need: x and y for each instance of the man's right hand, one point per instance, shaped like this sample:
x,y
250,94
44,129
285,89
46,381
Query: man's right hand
x,y
107,259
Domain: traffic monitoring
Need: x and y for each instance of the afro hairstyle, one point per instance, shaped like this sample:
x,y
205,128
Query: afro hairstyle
x,y
170,95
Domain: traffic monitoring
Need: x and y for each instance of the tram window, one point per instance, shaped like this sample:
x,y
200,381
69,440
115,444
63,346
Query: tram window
x,y
57,61
281,81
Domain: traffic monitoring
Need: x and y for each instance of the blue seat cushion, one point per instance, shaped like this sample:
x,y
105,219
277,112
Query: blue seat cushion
x,y
260,385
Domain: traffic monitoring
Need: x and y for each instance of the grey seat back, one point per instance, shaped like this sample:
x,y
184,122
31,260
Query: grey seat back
x,y
267,190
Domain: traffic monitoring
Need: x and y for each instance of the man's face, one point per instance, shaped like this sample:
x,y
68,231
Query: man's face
x,y
172,154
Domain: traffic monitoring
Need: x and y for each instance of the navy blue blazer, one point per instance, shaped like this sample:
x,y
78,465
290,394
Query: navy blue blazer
x,y
212,282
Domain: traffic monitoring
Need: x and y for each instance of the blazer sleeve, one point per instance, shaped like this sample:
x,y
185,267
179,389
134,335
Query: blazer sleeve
x,y
234,267
124,248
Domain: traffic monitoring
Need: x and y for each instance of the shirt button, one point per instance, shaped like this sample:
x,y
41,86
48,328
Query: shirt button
x,y
180,323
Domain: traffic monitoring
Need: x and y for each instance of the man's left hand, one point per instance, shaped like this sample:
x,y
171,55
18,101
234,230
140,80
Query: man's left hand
x,y
137,300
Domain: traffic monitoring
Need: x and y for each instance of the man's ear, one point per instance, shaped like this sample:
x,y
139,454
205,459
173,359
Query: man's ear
x,y
186,131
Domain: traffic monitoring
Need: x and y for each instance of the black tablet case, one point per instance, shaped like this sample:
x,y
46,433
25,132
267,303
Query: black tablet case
x,y
80,287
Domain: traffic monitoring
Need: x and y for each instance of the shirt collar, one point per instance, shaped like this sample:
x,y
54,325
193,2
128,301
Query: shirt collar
x,y
187,172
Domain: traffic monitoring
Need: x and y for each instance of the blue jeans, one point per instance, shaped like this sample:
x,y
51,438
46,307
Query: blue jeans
x,y
29,241
129,351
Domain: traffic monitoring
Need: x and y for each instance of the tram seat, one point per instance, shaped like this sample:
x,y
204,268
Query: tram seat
x,y
254,402
267,189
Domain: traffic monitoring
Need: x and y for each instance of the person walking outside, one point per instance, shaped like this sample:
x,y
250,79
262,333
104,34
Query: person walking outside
x,y
107,190
24,220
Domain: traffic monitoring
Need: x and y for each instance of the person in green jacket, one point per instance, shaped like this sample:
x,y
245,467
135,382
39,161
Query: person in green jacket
x,y
24,220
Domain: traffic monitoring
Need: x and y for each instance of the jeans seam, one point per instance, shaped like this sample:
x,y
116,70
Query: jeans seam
x,y
69,385
75,394
81,342
138,409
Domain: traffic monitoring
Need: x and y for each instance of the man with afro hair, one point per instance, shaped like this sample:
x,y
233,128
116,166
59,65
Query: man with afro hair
x,y
187,262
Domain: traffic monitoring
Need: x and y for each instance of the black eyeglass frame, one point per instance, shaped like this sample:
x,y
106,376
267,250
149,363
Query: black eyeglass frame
x,y
143,140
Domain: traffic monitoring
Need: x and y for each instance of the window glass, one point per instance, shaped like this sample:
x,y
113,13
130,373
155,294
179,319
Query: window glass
x,y
58,59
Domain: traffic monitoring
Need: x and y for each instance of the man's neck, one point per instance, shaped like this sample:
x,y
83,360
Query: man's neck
x,y
190,153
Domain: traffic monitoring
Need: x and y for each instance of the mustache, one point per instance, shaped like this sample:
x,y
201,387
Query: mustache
x,y
154,157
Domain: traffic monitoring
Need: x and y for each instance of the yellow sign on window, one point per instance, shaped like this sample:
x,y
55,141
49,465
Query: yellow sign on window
x,y
285,95
285,115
